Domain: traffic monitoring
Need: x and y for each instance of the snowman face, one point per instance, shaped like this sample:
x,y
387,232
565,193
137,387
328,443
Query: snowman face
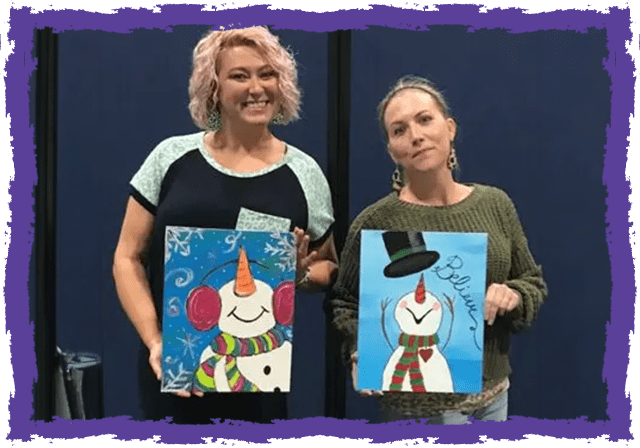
x,y
419,319
246,317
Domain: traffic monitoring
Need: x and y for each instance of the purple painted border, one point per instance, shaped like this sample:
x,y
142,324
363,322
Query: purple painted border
x,y
620,68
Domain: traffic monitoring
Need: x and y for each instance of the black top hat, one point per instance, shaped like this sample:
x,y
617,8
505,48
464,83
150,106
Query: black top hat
x,y
408,253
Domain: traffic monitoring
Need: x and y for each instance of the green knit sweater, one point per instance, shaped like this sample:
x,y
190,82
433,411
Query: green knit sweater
x,y
486,209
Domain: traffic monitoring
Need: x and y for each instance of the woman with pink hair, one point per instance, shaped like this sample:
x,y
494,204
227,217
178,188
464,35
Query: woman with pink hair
x,y
234,174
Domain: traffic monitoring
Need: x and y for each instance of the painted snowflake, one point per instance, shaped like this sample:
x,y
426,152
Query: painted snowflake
x,y
178,239
189,343
284,249
177,380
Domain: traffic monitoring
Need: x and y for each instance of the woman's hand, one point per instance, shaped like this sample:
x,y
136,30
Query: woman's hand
x,y
155,361
354,378
304,258
500,299
316,269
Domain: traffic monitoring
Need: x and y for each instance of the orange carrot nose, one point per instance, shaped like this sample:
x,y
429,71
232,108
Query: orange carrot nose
x,y
420,295
244,286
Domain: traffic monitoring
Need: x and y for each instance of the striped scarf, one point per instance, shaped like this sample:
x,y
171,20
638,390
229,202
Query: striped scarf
x,y
229,347
413,346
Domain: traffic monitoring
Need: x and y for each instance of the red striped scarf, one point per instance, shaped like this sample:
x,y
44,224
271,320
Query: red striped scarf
x,y
414,346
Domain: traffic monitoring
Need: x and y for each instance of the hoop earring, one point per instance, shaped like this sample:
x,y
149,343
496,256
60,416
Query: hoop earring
x,y
213,120
452,161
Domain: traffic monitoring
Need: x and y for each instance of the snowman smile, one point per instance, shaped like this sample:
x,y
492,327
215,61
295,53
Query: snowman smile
x,y
418,321
247,321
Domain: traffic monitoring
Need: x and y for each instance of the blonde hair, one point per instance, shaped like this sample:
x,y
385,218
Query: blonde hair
x,y
204,85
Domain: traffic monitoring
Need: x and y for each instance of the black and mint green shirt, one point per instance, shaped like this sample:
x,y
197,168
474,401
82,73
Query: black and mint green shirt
x,y
182,185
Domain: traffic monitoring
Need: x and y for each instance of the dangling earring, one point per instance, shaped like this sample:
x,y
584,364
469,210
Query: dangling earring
x,y
452,161
277,118
213,120
396,179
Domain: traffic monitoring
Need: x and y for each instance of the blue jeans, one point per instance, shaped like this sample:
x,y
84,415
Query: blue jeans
x,y
496,411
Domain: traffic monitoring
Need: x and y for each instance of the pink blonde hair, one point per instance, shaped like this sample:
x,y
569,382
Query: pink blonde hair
x,y
204,85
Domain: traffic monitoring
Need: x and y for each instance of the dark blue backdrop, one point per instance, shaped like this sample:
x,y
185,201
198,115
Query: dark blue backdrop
x,y
532,110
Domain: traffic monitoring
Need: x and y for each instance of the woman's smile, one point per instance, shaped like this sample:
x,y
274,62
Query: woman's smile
x,y
255,104
249,89
256,108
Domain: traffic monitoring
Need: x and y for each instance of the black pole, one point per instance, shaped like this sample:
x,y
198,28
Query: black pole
x,y
338,177
45,222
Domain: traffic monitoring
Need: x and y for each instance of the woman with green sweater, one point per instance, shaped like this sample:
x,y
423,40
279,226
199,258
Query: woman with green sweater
x,y
420,132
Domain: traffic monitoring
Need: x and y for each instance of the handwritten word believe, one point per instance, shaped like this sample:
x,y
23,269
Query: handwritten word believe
x,y
450,273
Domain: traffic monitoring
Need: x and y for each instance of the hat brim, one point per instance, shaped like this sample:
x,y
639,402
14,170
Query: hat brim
x,y
411,264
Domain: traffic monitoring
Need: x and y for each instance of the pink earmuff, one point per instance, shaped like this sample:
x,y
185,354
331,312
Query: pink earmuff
x,y
203,307
283,297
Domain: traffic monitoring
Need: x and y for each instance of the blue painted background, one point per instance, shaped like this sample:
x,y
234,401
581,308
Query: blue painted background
x,y
197,257
461,347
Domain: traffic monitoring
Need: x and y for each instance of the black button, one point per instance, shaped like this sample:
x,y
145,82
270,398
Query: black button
x,y
277,389
267,370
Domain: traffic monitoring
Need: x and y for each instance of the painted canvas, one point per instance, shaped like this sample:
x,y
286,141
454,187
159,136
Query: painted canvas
x,y
228,310
421,311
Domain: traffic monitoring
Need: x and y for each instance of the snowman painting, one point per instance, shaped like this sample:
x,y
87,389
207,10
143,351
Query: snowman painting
x,y
416,365
251,352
